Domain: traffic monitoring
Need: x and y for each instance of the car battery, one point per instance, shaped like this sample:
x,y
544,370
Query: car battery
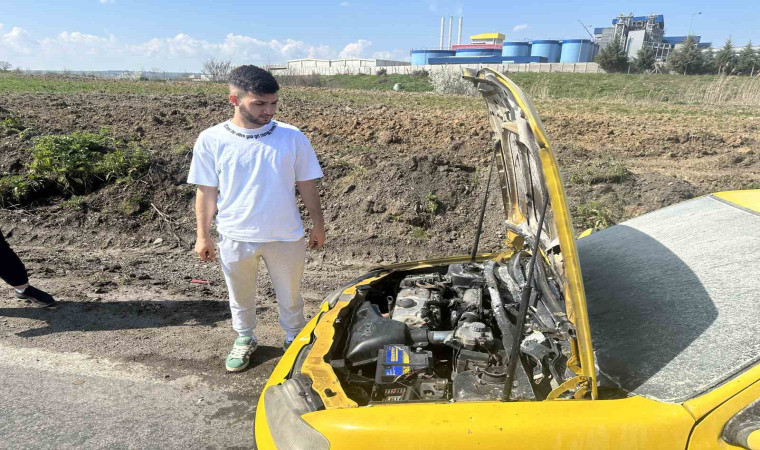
x,y
399,363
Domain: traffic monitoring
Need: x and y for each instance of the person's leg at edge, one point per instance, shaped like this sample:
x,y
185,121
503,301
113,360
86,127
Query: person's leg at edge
x,y
240,264
12,270
285,263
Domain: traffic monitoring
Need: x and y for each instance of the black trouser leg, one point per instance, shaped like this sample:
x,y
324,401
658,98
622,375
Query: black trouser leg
x,y
12,270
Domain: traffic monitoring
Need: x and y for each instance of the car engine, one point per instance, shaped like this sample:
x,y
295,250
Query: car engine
x,y
445,334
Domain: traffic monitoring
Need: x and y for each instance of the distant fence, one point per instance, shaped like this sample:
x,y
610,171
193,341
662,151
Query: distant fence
x,y
406,70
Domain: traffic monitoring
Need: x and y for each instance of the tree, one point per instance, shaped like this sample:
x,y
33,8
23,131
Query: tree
x,y
645,60
613,58
688,59
725,58
217,71
5,66
748,61
708,65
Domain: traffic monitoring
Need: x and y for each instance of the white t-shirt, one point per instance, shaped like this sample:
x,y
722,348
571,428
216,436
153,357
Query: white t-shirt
x,y
255,172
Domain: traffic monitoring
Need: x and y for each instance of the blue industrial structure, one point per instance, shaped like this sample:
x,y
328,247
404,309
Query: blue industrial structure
x,y
468,52
422,57
488,60
576,50
548,49
519,48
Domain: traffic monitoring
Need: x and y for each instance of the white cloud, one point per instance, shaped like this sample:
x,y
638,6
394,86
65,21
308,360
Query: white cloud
x,y
395,55
356,49
105,1
80,51
521,27
16,42
344,4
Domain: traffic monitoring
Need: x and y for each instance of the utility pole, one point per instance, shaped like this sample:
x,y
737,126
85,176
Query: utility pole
x,y
691,21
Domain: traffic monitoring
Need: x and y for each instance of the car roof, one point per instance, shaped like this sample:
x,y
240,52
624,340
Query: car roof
x,y
673,298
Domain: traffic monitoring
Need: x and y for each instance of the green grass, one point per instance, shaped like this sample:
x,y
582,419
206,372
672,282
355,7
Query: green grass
x,y
593,215
409,83
74,164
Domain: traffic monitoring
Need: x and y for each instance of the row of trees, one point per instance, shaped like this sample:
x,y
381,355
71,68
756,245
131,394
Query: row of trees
x,y
688,59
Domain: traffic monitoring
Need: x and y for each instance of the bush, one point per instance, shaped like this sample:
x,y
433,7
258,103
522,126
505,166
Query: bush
x,y
382,71
645,60
593,215
79,161
725,59
448,80
613,58
420,73
747,61
74,164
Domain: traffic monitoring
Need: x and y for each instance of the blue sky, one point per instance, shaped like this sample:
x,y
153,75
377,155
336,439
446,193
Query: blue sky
x,y
178,35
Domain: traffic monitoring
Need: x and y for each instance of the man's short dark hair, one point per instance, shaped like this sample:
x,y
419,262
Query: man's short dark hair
x,y
253,79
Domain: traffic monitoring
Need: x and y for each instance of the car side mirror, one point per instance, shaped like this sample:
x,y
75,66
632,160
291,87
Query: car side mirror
x,y
744,428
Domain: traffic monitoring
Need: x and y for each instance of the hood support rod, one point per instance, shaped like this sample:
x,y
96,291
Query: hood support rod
x,y
514,354
483,207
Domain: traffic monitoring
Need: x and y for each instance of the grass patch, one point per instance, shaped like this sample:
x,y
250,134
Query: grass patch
x,y
604,171
432,204
593,215
74,164
420,233
79,161
12,125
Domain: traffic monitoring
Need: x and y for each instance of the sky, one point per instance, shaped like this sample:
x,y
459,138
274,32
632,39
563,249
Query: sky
x,y
178,36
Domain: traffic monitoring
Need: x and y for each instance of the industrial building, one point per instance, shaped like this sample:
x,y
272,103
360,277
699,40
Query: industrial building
x,y
490,48
636,32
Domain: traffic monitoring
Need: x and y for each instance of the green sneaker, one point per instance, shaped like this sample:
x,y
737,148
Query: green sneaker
x,y
240,355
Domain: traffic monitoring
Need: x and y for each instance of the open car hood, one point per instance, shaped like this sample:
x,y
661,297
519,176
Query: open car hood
x,y
528,174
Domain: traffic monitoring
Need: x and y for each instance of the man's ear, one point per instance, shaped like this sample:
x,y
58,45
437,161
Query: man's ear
x,y
233,99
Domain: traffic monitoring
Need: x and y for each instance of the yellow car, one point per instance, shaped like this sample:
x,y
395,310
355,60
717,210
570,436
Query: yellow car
x,y
653,344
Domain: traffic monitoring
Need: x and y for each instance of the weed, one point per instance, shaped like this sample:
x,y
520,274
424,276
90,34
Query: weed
x,y
420,233
12,125
135,204
79,161
182,149
593,215
17,189
76,202
432,204
605,171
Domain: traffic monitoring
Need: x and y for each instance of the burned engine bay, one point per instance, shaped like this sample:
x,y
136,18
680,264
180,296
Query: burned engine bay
x,y
445,334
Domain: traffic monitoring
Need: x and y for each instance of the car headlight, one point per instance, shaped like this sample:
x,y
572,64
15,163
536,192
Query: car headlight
x,y
284,404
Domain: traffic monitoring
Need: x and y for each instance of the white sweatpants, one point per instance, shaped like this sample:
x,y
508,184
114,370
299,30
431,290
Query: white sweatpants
x,y
285,263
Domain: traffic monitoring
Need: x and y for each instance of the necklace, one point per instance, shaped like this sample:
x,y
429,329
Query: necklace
x,y
250,136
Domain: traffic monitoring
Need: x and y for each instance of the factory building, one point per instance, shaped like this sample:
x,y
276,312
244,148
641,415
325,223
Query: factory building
x,y
636,32
490,48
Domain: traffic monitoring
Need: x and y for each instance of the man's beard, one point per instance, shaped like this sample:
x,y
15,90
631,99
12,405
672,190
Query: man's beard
x,y
248,117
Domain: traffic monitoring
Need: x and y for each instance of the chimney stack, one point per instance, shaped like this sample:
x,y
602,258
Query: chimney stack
x,y
459,39
443,23
451,27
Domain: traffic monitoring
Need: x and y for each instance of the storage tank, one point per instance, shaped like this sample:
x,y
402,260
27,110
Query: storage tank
x,y
516,49
577,50
478,50
549,49
420,57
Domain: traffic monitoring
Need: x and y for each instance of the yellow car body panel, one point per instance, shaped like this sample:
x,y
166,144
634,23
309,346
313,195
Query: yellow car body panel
x,y
261,428
701,406
606,424
749,199
707,433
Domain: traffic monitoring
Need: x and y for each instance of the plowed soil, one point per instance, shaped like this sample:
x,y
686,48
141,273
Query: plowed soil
x,y
404,177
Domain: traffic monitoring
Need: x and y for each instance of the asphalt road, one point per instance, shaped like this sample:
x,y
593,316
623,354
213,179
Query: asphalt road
x,y
69,400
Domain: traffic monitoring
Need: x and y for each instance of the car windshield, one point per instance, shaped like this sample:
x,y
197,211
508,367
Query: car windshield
x,y
673,298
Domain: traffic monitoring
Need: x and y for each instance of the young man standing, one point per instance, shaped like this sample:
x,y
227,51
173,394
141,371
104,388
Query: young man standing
x,y
247,169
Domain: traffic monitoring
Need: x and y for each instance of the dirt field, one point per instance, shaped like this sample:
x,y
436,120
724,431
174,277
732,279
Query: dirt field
x,y
404,175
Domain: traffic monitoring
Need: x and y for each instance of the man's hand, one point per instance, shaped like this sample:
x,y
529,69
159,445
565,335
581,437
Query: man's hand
x,y
317,237
204,247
